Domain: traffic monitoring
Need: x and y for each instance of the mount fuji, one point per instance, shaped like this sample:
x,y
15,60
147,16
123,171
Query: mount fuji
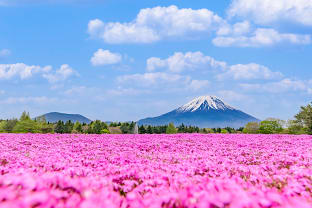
x,y
204,112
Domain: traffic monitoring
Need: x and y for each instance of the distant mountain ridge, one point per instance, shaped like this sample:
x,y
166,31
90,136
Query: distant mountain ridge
x,y
204,112
56,116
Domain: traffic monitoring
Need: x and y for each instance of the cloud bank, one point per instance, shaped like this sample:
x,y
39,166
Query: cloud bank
x,y
272,11
154,24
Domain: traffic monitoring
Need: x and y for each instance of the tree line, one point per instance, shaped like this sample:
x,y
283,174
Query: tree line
x,y
301,124
39,125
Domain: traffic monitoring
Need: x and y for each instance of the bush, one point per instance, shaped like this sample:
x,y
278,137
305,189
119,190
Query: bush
x,y
26,126
2,126
208,131
270,127
171,129
127,128
77,127
59,127
224,131
105,131
251,128
294,127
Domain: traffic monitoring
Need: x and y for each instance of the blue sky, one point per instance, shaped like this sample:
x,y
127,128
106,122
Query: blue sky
x,y
126,60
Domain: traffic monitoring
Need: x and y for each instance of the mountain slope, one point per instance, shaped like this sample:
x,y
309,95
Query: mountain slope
x,y
55,117
204,112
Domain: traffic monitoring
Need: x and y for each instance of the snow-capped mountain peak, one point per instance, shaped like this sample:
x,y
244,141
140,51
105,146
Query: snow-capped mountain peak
x,y
205,103
204,112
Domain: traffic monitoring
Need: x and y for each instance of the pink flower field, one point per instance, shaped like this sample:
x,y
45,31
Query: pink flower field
x,y
182,170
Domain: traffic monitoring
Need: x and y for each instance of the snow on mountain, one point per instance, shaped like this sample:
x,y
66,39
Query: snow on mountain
x,y
205,103
204,112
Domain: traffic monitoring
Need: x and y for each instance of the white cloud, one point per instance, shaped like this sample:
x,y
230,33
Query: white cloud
x,y
154,24
105,57
239,28
196,85
115,33
61,74
184,61
285,85
125,91
270,11
149,79
81,91
160,80
180,62
154,63
76,90
248,71
230,95
23,71
4,53
36,100
8,71
260,37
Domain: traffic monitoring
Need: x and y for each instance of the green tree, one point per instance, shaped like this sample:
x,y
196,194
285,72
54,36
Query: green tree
x,y
149,129
127,128
2,126
281,122
163,129
251,128
113,124
132,126
77,127
59,127
25,116
97,126
270,127
26,126
105,131
224,131
68,127
240,129
304,118
142,130
43,126
294,127
229,130
85,128
171,129
181,128
208,131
